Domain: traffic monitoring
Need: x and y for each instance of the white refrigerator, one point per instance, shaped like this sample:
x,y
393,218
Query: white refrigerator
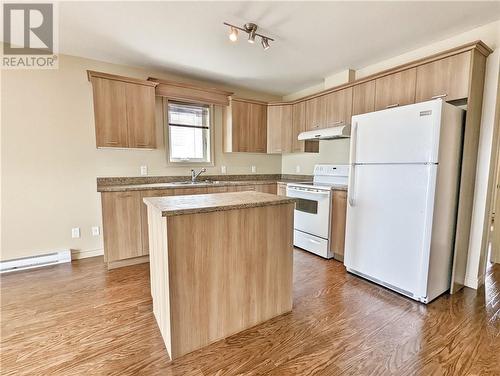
x,y
402,197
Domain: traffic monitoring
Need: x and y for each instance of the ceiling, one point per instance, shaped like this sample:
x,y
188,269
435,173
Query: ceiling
x,y
313,39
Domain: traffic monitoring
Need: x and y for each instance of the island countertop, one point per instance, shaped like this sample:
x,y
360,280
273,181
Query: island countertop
x,y
205,203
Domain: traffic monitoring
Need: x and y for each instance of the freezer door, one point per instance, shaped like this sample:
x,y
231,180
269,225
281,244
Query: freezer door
x,y
408,134
389,222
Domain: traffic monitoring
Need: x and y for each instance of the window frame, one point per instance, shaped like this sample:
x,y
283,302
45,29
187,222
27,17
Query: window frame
x,y
210,138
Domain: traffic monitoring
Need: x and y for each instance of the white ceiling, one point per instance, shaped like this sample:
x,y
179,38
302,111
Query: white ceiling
x,y
313,39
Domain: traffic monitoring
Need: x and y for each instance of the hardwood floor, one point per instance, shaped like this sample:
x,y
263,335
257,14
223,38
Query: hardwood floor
x,y
80,319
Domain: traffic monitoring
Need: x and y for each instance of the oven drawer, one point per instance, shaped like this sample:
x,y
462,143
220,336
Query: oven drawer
x,y
311,243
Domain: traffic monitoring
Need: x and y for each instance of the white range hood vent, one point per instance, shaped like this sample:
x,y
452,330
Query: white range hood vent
x,y
341,131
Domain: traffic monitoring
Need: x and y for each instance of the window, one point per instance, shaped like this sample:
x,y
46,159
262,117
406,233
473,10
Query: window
x,y
189,133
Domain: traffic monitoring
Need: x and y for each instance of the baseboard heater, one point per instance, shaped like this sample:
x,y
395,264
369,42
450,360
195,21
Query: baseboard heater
x,y
35,261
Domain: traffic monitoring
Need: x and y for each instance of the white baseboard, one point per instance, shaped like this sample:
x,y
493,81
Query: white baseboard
x,y
78,254
474,283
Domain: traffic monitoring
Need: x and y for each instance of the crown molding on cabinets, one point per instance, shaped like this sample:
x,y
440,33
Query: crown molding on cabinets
x,y
478,45
91,74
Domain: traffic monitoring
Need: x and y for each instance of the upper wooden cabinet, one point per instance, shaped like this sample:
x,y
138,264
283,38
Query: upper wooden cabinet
x,y
446,78
315,113
257,128
338,107
397,89
124,111
245,127
141,116
279,129
363,98
298,126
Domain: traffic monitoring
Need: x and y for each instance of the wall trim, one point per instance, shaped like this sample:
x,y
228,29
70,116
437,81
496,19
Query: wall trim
x,y
474,283
81,254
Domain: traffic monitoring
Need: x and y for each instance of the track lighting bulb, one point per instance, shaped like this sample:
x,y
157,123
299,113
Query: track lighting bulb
x,y
251,36
265,43
233,35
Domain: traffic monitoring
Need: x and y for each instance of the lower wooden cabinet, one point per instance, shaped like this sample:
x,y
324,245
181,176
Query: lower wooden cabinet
x,y
338,221
125,220
121,217
266,188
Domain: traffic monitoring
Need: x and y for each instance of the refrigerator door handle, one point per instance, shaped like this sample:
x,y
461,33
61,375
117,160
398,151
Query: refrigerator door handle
x,y
352,172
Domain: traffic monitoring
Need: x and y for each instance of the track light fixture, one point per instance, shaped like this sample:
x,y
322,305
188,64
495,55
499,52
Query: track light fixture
x,y
265,43
251,30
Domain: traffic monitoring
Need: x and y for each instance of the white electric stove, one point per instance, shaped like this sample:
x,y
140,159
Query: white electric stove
x,y
313,208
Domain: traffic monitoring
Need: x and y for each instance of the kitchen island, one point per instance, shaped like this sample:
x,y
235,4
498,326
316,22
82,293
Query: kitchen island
x,y
219,263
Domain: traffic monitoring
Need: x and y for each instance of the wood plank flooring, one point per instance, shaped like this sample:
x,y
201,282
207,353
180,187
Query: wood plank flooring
x,y
80,319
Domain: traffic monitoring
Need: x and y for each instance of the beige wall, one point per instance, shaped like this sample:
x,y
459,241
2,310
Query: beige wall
x,y
50,162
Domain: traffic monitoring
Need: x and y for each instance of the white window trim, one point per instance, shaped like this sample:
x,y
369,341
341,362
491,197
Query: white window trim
x,y
166,131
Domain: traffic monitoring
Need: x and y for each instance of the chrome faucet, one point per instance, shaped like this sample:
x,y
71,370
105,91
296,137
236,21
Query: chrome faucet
x,y
194,175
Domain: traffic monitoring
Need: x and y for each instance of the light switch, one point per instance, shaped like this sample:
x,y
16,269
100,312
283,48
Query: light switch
x,y
95,231
297,169
254,169
75,232
223,169
144,170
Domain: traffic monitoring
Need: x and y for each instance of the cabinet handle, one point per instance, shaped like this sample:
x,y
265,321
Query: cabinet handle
x,y
439,96
392,105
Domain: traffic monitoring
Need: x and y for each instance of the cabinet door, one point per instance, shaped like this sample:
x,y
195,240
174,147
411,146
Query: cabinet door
x,y
363,98
279,129
274,114
315,113
240,118
121,212
338,107
141,116
266,188
144,215
257,128
110,112
447,78
298,125
397,89
338,222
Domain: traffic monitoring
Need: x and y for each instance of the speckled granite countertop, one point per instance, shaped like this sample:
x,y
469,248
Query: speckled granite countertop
x,y
172,182
205,203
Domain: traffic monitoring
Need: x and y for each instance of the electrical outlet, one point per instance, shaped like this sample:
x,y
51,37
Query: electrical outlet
x,y
223,169
144,170
297,169
75,232
254,169
95,231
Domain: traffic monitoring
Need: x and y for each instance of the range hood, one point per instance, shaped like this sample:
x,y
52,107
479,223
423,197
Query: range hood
x,y
340,131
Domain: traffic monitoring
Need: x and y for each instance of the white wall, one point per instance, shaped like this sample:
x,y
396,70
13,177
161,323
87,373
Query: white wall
x,y
338,152
50,162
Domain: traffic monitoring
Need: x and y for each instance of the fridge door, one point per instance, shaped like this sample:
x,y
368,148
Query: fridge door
x,y
389,224
408,134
